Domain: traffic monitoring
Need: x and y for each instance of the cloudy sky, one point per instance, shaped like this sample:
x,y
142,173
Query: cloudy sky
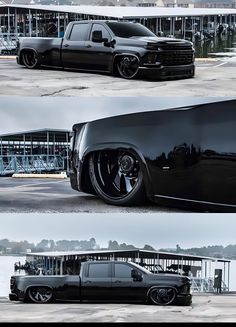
x,y
159,230
28,113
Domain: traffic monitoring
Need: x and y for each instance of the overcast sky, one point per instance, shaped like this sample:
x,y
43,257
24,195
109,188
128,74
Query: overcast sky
x,y
159,230
28,113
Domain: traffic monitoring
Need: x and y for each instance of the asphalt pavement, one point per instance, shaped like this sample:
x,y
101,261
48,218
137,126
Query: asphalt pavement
x,y
205,308
48,195
214,77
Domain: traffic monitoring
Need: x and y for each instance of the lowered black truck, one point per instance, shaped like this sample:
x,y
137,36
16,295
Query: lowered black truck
x,y
120,48
104,281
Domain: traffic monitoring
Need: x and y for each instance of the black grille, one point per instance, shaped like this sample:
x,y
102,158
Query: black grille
x,y
175,58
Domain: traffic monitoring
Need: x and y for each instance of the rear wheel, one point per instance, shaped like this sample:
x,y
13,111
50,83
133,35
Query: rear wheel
x,y
117,177
127,66
30,59
40,294
162,295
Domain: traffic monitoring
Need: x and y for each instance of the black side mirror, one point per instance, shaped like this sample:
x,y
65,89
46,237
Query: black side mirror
x,y
97,37
136,275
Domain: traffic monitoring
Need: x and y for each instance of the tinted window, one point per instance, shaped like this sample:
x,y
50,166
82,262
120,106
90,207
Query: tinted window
x,y
129,29
122,271
98,270
79,32
99,27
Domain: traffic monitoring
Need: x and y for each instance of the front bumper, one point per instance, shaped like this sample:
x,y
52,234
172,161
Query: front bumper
x,y
184,299
166,72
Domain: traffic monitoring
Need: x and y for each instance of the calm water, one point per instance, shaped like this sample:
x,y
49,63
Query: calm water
x,y
7,269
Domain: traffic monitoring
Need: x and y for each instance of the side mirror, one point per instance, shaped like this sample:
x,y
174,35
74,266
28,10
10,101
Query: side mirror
x,y
97,37
136,275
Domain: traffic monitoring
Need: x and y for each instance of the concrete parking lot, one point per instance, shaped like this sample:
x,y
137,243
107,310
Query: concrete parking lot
x,y
205,308
214,77
52,195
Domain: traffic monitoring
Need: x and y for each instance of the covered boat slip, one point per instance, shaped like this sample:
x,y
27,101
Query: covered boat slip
x,y
51,20
34,151
201,270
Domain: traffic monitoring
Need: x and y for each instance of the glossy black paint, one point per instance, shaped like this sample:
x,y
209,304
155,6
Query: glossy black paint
x,y
113,287
160,57
187,155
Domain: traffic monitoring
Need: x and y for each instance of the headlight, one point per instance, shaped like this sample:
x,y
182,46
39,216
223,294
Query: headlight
x,y
152,46
151,58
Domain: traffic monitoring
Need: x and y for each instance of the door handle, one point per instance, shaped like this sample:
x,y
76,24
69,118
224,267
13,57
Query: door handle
x,y
117,281
66,45
88,46
88,282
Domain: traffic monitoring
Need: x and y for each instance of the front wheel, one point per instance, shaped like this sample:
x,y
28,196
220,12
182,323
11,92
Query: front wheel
x,y
30,59
40,294
162,295
128,66
117,178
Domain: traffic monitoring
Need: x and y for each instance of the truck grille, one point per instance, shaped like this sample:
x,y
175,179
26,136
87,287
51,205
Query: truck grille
x,y
175,58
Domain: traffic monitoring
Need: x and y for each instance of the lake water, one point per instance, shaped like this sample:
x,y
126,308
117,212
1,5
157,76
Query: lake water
x,y
7,269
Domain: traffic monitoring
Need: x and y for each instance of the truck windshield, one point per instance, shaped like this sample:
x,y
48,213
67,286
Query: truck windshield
x,y
129,29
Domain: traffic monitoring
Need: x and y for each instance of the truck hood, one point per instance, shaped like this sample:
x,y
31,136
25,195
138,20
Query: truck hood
x,y
162,40
165,42
166,276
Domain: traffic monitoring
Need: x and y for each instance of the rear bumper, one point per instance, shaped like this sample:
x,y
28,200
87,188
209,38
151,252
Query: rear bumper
x,y
73,180
13,297
165,72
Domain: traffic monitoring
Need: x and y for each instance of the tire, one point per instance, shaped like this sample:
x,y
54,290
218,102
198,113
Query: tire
x,y
40,294
162,295
127,66
30,59
117,178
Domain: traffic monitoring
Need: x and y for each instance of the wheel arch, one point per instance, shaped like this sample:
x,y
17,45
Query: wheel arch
x,y
84,172
25,49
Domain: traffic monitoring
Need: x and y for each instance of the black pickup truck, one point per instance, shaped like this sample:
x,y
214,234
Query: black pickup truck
x,y
120,48
104,281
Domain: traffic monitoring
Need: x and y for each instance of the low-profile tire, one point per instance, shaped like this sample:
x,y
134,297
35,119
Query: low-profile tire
x,y
30,59
40,294
127,66
117,178
162,295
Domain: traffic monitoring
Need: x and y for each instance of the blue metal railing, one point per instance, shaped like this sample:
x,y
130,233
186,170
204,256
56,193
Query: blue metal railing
x,y
30,163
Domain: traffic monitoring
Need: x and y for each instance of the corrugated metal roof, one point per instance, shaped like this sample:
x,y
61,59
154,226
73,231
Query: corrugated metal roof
x,y
125,253
127,12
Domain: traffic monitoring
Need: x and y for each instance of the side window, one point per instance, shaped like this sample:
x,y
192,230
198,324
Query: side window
x,y
122,271
99,27
98,270
79,32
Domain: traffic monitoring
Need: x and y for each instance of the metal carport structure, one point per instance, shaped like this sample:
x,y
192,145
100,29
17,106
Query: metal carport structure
x,y
34,151
201,268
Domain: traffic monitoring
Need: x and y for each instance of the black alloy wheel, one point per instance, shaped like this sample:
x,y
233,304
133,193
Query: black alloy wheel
x,y
40,294
30,59
128,67
117,177
162,295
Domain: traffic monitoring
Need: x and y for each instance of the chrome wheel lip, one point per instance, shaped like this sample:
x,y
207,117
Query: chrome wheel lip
x,y
40,294
124,65
160,295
